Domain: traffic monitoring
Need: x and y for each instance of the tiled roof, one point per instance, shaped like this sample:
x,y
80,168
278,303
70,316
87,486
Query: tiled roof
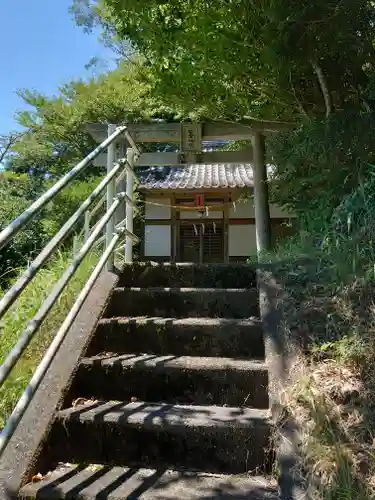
x,y
197,176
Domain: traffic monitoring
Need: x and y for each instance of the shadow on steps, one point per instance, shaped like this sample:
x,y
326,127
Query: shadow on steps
x,y
102,482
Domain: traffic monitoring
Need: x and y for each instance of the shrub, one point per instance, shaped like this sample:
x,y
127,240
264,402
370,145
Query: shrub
x,y
66,203
320,163
16,194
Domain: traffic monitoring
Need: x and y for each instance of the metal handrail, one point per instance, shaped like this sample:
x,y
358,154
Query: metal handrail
x,y
101,202
9,232
121,176
133,144
129,206
58,289
112,238
14,292
40,372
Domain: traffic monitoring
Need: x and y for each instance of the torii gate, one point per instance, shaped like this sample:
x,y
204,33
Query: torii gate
x,y
188,137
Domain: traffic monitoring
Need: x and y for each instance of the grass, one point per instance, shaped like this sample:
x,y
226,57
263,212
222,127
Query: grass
x,y
23,310
329,323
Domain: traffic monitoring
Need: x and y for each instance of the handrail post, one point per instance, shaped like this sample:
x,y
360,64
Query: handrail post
x,y
111,193
129,206
75,245
87,225
121,186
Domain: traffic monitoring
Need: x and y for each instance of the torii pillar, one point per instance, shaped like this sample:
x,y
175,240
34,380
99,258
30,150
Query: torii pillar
x,y
261,205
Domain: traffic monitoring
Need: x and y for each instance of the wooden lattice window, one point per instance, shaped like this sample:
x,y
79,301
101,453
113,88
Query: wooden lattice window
x,y
201,242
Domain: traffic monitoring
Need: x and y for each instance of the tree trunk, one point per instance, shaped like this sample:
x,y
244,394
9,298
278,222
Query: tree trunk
x,y
323,87
262,209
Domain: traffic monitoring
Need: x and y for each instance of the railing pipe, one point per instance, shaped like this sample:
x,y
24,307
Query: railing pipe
x,y
10,231
49,302
130,235
75,245
132,143
118,180
111,192
120,186
87,226
14,292
40,372
120,177
129,206
129,168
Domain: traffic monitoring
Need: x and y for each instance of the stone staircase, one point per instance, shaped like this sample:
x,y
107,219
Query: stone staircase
x,y
171,398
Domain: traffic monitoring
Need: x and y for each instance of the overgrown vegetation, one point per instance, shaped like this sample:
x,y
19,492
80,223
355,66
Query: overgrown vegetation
x,y
328,274
16,194
274,59
328,324
311,63
54,140
23,310
320,163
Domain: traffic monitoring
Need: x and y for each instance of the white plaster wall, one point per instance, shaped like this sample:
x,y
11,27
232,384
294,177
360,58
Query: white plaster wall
x,y
157,240
241,210
193,214
276,211
157,211
245,209
242,240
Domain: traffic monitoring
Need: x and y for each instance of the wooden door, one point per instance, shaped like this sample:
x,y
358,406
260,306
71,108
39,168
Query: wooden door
x,y
201,242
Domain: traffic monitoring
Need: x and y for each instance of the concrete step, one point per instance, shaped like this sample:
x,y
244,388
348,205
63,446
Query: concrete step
x,y
200,438
184,302
195,336
147,274
98,481
180,379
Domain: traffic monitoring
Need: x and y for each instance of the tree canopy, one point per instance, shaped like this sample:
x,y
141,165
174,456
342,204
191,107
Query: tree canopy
x,y
56,136
54,139
231,58
274,59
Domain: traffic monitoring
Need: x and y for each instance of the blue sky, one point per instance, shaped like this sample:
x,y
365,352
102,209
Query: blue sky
x,y
41,49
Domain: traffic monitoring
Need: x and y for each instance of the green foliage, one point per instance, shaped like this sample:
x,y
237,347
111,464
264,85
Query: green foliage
x,y
23,310
16,194
319,164
66,203
6,143
230,58
348,349
56,138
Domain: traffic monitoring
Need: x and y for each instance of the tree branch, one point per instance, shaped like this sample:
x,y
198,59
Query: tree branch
x,y
7,142
323,87
299,104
